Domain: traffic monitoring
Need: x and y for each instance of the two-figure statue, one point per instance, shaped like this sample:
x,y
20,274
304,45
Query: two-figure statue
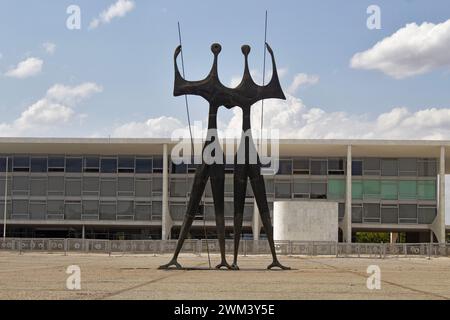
x,y
247,163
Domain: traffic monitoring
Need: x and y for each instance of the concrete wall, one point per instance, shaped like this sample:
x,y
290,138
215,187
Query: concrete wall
x,y
306,220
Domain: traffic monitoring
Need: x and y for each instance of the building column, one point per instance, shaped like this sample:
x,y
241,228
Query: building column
x,y
347,223
166,219
256,222
438,225
83,232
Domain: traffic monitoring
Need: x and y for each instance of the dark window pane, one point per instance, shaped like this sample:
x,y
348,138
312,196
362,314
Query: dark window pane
x,y
318,190
407,167
336,167
144,165
357,212
158,163
285,167
73,165
38,164
319,167
91,164
372,166
179,168
357,168
427,168
126,164
301,166
408,213
389,214
109,166
371,212
21,164
389,167
56,164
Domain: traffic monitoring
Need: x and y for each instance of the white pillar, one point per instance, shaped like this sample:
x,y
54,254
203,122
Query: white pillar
x,y
166,219
347,223
83,232
440,232
256,223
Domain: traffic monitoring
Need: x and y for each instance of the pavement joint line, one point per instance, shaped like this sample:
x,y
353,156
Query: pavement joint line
x,y
112,294
384,281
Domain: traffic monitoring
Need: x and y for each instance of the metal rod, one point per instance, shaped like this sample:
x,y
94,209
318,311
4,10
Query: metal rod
x,y
264,80
6,199
185,96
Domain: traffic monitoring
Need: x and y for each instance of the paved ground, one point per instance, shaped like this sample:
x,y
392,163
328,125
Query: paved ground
x,y
43,276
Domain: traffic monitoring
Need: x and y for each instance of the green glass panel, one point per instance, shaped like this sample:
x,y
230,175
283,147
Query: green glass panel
x,y
426,190
389,190
336,189
407,190
357,189
372,189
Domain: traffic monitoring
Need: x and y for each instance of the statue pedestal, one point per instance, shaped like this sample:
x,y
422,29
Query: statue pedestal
x,y
306,220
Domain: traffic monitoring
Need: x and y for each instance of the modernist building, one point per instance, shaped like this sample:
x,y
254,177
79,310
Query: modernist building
x,y
129,188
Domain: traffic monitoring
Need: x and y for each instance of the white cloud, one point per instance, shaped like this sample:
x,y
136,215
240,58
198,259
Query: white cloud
x,y
302,79
25,69
116,10
412,50
49,47
157,127
53,111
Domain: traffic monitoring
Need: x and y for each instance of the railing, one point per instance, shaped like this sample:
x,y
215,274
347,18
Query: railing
x,y
247,247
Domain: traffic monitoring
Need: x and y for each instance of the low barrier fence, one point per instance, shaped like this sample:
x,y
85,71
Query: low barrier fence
x,y
247,247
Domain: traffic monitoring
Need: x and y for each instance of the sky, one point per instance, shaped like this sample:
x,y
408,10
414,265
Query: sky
x,y
349,70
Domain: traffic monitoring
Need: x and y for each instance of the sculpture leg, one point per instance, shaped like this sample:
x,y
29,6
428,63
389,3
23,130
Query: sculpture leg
x,y
240,189
198,187
218,191
259,190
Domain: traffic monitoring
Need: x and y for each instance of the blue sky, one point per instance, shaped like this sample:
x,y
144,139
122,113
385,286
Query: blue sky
x,y
129,59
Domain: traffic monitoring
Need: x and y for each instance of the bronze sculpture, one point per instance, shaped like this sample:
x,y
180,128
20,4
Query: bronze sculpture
x,y
244,96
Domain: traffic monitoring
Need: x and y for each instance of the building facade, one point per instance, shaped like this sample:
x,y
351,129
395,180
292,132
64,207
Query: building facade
x,y
130,189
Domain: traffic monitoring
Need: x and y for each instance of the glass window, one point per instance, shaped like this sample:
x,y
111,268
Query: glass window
x,y
407,190
357,168
426,214
407,167
20,207
270,187
3,164
126,165
109,165
179,168
426,190
282,189
371,189
178,188
55,209
2,187
336,167
371,212
126,186
389,214
319,167
21,164
318,190
341,211
38,164
143,188
144,165
143,211
156,210
357,189
336,188
73,187
357,214
407,213
177,211
372,167
38,187
108,211
21,185
157,186
389,167
56,164
389,190
90,207
158,164
427,168
92,164
74,165
73,210
125,210
302,189
301,166
91,186
108,188
55,185
285,167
